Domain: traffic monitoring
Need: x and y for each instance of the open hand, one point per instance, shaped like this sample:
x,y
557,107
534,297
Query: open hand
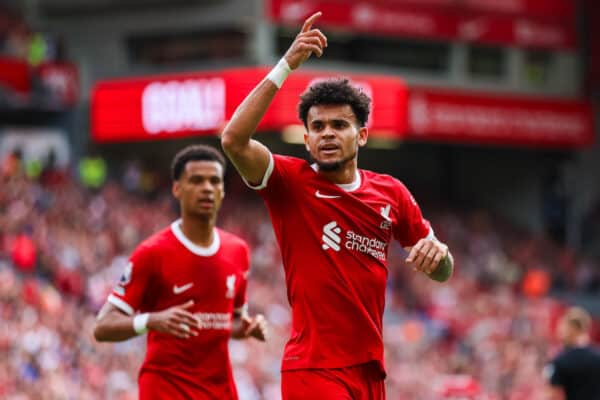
x,y
176,321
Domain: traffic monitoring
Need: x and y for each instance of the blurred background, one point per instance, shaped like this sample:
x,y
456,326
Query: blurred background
x,y
486,109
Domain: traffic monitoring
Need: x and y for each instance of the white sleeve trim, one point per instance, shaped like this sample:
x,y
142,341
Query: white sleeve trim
x,y
431,234
265,179
120,304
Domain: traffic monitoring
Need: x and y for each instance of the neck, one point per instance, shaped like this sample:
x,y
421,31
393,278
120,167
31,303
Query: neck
x,y
581,341
199,231
345,174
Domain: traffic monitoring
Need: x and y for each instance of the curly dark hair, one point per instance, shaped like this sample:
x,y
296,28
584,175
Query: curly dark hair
x,y
196,152
335,92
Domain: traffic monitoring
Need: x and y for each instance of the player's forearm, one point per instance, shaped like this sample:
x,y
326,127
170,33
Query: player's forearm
x,y
113,326
114,331
238,132
444,270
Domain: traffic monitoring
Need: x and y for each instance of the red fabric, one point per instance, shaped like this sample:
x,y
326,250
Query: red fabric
x,y
357,382
536,283
334,250
14,73
24,253
164,272
155,386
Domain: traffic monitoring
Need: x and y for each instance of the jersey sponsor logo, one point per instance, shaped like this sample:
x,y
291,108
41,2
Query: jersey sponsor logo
x,y
326,196
230,286
332,239
217,321
183,288
331,236
385,213
126,276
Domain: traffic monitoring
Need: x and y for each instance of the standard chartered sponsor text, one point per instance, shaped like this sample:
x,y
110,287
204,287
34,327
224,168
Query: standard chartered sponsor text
x,y
213,320
371,246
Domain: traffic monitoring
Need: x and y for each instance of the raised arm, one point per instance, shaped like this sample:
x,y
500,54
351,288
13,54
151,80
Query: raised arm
x,y
250,157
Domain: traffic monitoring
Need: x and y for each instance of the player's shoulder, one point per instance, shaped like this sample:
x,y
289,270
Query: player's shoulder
x,y
234,248
232,240
385,183
290,162
567,356
157,241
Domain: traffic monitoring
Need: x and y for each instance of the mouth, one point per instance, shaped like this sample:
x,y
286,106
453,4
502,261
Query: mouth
x,y
206,203
329,149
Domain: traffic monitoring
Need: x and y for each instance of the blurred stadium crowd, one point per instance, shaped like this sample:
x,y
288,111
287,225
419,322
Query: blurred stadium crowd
x,y
485,335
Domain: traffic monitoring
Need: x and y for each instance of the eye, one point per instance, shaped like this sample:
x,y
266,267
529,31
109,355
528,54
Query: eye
x,y
339,124
215,180
317,126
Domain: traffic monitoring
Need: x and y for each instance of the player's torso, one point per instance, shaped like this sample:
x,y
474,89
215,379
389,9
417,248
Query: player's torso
x,y
211,282
326,230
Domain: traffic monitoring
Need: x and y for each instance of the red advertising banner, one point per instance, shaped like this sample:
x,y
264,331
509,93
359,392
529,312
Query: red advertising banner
x,y
62,79
557,10
14,74
452,116
550,9
200,103
412,19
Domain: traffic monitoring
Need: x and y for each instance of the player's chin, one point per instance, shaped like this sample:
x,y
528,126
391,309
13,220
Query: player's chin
x,y
205,211
329,165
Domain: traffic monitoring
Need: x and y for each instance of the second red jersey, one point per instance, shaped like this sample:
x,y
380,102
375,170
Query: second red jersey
x,y
334,241
168,270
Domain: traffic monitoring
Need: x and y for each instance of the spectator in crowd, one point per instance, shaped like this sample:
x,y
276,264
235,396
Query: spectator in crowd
x,y
574,373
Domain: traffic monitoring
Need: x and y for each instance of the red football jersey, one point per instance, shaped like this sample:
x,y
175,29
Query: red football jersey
x,y
168,269
334,241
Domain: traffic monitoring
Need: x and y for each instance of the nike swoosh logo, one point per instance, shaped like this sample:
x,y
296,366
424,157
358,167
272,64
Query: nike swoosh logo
x,y
181,289
325,196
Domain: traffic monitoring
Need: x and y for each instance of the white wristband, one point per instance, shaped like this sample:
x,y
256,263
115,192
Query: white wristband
x,y
140,323
278,74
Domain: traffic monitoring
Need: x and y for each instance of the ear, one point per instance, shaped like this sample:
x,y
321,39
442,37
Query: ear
x,y
363,134
306,142
175,189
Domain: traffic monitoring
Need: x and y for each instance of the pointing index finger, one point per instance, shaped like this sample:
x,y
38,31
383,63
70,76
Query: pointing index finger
x,y
310,21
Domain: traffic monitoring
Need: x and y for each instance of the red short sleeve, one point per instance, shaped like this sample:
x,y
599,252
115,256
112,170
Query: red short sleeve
x,y
128,294
411,226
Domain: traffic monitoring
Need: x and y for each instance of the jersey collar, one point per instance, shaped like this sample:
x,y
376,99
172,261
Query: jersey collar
x,y
347,187
191,246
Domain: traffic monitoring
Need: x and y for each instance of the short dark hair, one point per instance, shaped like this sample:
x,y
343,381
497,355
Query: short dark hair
x,y
195,152
578,318
335,92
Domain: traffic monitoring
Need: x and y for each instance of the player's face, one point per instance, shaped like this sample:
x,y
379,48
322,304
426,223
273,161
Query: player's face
x,y
200,188
333,136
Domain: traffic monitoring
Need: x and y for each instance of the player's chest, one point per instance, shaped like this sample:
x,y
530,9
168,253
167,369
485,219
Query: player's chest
x,y
203,279
364,212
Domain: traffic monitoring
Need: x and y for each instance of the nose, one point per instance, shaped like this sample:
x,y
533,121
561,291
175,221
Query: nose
x,y
328,133
207,187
